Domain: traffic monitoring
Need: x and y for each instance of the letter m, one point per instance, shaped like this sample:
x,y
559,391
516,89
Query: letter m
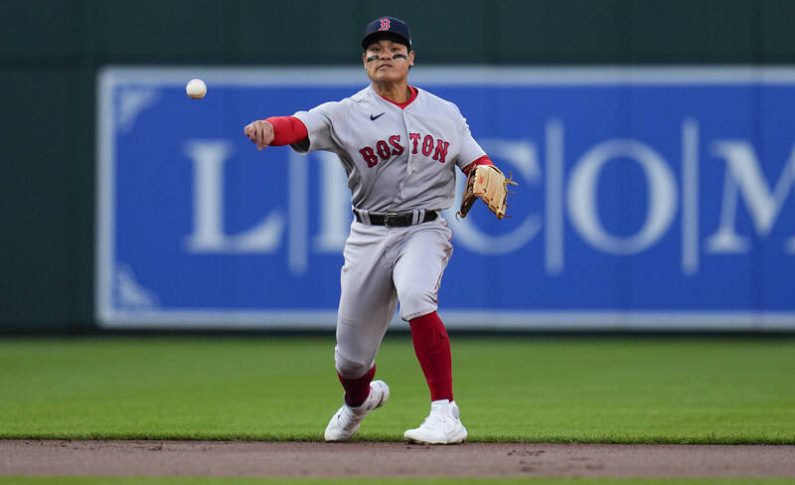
x,y
745,179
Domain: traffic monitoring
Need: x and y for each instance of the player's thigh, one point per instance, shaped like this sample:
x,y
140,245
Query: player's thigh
x,y
418,271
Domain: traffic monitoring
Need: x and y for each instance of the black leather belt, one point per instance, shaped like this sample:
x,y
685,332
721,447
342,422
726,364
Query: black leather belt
x,y
395,220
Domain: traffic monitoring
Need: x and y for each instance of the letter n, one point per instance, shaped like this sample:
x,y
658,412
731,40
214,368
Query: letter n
x,y
441,150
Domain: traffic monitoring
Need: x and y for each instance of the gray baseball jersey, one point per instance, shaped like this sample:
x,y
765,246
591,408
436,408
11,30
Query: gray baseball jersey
x,y
397,159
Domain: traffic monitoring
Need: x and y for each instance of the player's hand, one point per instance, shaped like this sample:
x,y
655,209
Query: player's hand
x,y
260,133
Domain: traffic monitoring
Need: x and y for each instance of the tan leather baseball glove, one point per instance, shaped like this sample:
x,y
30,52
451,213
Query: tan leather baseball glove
x,y
489,184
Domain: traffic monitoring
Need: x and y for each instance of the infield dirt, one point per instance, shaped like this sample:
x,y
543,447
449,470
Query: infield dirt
x,y
218,458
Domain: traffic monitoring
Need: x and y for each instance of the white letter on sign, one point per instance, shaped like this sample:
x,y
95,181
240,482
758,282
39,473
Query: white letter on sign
x,y
744,178
208,235
582,196
521,155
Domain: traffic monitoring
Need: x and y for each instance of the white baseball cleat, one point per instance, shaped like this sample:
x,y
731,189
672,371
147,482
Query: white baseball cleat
x,y
441,427
346,421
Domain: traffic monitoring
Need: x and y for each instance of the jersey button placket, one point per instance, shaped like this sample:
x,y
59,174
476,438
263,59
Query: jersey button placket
x,y
400,196
410,159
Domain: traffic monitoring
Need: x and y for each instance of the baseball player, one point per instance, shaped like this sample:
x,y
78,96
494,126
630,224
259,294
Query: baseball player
x,y
399,145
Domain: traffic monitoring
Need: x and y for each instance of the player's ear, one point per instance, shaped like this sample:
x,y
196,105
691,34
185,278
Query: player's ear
x,y
411,58
364,60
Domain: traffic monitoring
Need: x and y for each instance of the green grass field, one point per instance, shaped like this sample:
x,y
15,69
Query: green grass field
x,y
637,390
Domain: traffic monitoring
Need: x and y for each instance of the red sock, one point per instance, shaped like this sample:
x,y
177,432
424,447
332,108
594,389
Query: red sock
x,y
357,390
432,347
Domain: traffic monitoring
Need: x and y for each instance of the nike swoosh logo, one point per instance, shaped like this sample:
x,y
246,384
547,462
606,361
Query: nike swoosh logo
x,y
375,117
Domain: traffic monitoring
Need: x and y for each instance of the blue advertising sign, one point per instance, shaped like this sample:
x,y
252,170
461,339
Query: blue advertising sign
x,y
656,198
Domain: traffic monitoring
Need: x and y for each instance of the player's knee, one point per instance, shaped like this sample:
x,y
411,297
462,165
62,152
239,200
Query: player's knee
x,y
350,368
414,301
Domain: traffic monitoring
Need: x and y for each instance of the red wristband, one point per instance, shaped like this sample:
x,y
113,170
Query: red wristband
x,y
287,130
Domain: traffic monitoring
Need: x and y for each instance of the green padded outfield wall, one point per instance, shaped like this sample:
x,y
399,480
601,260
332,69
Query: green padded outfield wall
x,y
50,51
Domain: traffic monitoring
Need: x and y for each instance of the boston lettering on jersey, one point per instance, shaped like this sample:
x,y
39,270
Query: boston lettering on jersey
x,y
384,149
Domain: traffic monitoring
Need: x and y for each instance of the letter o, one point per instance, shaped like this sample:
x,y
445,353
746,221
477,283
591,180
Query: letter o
x,y
582,196
427,145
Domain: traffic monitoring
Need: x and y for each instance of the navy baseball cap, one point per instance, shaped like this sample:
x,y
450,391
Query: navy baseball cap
x,y
387,28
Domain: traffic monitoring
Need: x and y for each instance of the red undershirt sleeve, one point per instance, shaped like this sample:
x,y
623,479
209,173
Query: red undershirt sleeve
x,y
287,130
484,160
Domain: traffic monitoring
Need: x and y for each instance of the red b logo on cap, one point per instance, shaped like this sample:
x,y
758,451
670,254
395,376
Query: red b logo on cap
x,y
385,24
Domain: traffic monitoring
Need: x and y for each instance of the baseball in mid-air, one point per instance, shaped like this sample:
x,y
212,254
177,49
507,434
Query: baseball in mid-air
x,y
196,88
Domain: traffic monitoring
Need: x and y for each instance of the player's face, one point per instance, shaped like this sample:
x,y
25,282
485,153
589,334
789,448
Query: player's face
x,y
387,61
